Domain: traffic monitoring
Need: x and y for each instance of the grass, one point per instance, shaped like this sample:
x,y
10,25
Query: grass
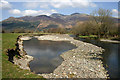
x,y
0,56
90,36
10,70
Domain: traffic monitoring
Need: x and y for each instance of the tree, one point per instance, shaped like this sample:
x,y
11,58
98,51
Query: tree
x,y
103,20
85,28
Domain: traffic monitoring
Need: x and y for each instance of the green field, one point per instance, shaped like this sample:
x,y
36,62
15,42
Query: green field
x,y
10,70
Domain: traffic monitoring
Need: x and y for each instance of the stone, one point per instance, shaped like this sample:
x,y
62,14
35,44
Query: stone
x,y
76,62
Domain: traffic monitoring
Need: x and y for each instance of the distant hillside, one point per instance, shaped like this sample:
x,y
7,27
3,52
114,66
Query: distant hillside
x,y
53,21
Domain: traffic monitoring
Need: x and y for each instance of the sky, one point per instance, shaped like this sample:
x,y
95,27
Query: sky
x,y
17,9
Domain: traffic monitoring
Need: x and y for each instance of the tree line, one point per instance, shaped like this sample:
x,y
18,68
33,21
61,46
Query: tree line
x,y
100,23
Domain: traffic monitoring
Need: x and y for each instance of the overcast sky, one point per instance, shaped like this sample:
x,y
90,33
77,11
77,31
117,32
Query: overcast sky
x,y
18,9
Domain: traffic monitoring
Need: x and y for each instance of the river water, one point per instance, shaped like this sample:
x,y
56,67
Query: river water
x,y
111,56
46,54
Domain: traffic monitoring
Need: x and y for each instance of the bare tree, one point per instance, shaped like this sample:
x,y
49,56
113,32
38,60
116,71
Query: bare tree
x,y
102,18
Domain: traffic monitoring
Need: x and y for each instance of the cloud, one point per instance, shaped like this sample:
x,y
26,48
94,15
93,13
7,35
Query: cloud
x,y
92,5
72,3
39,12
44,5
5,5
15,12
33,5
115,12
32,12
60,4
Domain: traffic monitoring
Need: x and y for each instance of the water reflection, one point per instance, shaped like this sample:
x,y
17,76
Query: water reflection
x,y
46,54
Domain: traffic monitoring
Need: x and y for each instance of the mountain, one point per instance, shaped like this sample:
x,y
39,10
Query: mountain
x,y
72,17
41,17
45,22
57,15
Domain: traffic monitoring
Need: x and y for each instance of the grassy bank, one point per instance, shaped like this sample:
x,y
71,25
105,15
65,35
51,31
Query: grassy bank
x,y
0,56
90,37
10,70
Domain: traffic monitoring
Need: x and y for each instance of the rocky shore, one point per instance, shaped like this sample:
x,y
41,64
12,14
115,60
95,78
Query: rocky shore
x,y
81,62
107,40
23,61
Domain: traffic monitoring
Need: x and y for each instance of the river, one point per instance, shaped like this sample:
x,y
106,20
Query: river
x,y
46,54
111,56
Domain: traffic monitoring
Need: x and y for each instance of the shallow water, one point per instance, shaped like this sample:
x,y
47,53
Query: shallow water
x,y
111,56
46,54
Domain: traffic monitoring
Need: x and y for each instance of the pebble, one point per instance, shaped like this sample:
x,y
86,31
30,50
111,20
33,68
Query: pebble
x,y
76,61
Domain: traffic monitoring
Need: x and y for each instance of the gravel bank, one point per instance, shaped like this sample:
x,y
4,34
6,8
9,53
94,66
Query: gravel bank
x,y
107,40
82,62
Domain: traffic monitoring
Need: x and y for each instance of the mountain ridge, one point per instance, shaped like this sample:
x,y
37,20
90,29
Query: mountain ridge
x,y
31,22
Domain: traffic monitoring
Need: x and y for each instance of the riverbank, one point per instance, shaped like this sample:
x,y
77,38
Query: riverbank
x,y
108,40
110,56
101,39
9,70
82,62
90,37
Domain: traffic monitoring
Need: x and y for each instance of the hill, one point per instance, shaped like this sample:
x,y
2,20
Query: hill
x,y
55,20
